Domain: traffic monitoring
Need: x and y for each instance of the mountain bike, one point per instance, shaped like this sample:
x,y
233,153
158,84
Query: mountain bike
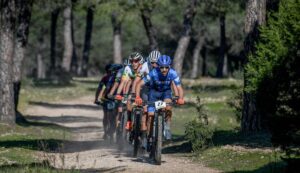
x,y
137,113
121,132
155,141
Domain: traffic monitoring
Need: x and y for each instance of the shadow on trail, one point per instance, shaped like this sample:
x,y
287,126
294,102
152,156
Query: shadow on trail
x,y
45,166
62,119
179,145
73,106
56,145
81,129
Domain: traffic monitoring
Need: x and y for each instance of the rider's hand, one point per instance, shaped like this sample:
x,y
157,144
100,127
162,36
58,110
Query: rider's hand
x,y
110,96
180,101
138,101
118,97
96,102
102,100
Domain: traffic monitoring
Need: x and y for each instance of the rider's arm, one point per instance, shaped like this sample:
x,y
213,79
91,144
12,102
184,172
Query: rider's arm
x,y
138,88
127,86
114,87
101,92
175,89
180,91
121,86
135,82
125,78
100,86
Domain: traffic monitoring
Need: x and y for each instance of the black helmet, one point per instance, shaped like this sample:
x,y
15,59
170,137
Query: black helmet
x,y
108,68
116,67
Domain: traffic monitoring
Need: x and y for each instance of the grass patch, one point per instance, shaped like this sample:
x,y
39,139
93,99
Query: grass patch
x,y
33,168
46,90
229,160
20,144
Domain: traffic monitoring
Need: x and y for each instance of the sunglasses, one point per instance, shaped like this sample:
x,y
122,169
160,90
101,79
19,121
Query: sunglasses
x,y
153,62
135,61
164,67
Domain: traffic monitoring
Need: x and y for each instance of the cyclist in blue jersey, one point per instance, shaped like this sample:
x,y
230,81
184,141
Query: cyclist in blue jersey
x,y
160,81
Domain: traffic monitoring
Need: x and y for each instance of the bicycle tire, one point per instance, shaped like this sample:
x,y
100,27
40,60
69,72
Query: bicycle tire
x,y
123,131
158,136
137,128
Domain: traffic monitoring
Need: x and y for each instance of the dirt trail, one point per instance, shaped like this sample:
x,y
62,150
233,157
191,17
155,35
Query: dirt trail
x,y
89,152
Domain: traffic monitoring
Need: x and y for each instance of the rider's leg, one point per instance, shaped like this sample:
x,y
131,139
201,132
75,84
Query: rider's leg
x,y
144,117
152,97
104,121
168,99
119,114
150,123
129,109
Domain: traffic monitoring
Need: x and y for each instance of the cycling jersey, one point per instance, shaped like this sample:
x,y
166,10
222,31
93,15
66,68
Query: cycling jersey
x,y
119,75
161,83
146,67
107,81
128,73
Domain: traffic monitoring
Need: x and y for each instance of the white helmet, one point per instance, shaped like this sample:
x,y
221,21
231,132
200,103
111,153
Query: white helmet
x,y
136,56
153,56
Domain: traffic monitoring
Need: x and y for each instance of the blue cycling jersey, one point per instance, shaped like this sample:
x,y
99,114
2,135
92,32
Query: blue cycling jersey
x,y
161,83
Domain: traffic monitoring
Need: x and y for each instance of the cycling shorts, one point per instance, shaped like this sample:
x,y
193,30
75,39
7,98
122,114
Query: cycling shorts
x,y
145,93
158,95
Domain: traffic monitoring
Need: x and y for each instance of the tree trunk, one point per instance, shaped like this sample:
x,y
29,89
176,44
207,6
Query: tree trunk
x,y
68,44
54,17
7,31
204,66
87,40
255,16
24,7
146,17
116,23
41,69
74,61
222,70
185,38
196,57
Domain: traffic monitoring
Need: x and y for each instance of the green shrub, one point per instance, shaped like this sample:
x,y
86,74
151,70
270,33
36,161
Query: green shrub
x,y
236,102
198,131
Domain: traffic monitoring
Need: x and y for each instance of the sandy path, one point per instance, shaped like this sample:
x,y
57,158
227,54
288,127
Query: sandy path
x,y
89,152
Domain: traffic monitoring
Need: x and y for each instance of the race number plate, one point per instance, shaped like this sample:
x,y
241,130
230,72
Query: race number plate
x,y
160,105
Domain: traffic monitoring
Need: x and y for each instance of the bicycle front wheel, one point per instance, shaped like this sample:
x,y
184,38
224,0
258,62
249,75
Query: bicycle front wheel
x,y
158,135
